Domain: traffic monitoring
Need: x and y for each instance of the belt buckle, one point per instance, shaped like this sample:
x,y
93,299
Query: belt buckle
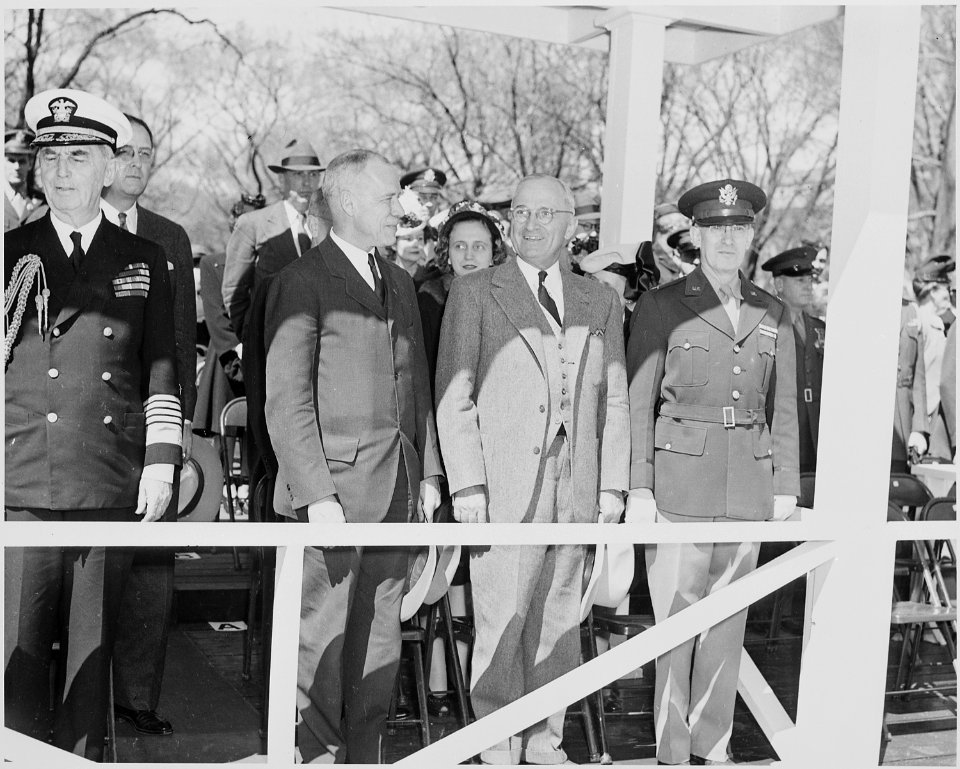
x,y
807,395
728,418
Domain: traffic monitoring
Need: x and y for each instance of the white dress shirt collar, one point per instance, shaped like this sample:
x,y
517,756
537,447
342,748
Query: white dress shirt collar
x,y
552,283
298,223
113,214
18,201
87,232
357,256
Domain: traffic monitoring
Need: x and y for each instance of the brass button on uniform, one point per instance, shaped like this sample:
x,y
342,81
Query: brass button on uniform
x,y
736,395
52,417
737,369
56,332
107,419
108,332
769,452
686,345
736,348
53,373
667,445
106,376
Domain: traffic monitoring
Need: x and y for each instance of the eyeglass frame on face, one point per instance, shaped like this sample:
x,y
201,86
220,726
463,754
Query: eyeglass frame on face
x,y
725,229
127,153
544,215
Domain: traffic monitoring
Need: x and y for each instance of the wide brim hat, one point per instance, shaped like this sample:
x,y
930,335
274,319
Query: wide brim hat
x,y
586,207
724,201
421,567
592,569
64,117
201,484
298,155
793,262
448,559
603,258
616,575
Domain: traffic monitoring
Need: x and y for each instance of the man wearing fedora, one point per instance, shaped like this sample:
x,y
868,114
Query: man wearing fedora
x,y
702,353
145,613
350,419
265,241
793,274
20,202
532,415
93,419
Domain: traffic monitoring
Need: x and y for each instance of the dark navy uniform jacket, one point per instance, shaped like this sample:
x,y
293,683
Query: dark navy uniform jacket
x,y
92,398
698,394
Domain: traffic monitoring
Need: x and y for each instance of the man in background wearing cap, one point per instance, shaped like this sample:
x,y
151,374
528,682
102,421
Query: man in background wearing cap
x,y
93,417
428,184
141,645
667,219
20,205
532,416
685,251
793,274
266,241
931,286
349,414
702,353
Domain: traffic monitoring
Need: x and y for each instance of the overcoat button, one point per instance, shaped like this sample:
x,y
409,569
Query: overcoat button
x,y
53,373
106,376
52,417
737,369
108,332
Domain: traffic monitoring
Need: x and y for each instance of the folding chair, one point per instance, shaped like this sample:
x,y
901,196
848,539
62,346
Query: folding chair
x,y
908,491
233,426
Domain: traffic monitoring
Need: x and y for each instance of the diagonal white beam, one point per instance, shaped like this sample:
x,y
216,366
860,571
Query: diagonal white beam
x,y
622,659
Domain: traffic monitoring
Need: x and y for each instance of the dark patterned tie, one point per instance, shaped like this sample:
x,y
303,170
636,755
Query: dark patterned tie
x,y
76,256
303,238
546,300
122,217
377,280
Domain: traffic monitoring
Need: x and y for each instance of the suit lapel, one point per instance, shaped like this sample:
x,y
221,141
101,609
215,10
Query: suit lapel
x,y
282,223
511,292
576,315
391,292
354,286
753,308
700,297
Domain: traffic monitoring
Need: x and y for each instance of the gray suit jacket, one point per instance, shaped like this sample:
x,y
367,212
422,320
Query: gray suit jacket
x,y
492,390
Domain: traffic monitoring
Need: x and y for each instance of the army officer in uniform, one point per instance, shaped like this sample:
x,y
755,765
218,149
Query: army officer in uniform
x,y
702,352
93,421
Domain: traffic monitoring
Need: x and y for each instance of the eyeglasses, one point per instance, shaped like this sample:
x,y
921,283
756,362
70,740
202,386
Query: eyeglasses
x,y
128,153
520,214
726,229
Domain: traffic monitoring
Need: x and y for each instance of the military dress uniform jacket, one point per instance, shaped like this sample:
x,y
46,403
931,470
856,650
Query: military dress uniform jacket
x,y
172,238
809,388
92,398
689,373
498,410
347,386
261,245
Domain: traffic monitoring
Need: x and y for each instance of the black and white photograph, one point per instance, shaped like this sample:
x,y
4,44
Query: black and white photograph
x,y
427,325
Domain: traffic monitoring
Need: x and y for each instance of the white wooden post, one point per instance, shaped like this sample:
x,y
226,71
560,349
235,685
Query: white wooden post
x,y
632,135
841,699
285,650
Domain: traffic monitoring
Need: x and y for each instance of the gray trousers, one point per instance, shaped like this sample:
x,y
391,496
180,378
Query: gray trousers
x,y
526,602
696,685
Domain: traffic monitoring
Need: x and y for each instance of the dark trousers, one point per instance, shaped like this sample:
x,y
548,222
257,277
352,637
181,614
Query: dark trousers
x,y
140,648
71,595
350,644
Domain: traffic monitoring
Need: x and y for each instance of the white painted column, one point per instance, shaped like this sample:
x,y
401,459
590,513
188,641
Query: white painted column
x,y
841,697
285,648
632,134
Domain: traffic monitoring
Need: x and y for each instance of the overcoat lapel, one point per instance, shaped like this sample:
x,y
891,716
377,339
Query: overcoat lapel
x,y
753,308
700,297
511,292
576,316
354,286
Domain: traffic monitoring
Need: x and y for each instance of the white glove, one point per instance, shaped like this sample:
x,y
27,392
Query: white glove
x,y
641,506
783,506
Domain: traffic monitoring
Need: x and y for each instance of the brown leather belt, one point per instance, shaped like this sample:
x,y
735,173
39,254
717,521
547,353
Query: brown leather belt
x,y
728,416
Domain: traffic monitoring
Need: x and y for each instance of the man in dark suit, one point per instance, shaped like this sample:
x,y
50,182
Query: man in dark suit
x,y
701,356
21,203
349,414
93,420
141,645
793,273
266,241
532,412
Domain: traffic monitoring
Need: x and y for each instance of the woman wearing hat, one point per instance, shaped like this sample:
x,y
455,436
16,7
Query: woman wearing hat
x,y
468,240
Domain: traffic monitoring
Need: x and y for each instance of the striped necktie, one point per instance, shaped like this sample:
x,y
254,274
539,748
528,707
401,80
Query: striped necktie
x,y
122,217
546,300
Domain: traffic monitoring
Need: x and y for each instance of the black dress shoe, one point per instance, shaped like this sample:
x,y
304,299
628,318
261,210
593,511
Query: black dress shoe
x,y
144,721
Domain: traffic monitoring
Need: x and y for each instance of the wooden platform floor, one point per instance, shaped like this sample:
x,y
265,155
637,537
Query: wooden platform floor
x,y
216,713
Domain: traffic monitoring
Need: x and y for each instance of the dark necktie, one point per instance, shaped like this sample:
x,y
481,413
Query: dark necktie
x,y
377,280
546,300
122,217
303,239
77,254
